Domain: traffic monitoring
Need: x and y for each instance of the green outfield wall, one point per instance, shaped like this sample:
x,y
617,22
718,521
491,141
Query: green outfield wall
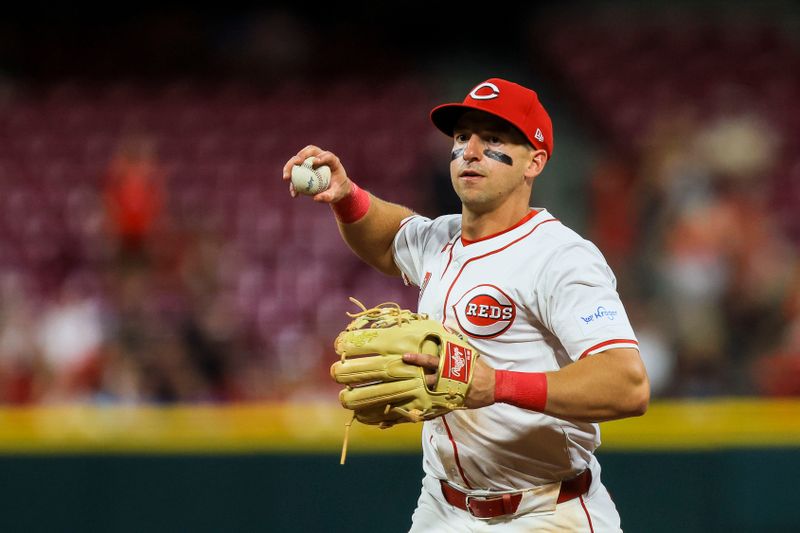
x,y
720,466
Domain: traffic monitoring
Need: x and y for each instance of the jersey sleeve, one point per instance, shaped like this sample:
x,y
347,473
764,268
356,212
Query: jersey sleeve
x,y
579,303
408,245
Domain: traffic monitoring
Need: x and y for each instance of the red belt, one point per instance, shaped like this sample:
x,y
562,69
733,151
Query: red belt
x,y
503,504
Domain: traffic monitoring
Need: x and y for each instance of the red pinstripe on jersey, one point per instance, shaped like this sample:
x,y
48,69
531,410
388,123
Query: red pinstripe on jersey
x,y
589,518
406,281
607,343
406,221
450,245
455,455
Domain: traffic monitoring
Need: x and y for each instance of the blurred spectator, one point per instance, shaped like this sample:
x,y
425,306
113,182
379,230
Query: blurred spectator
x,y
70,338
613,202
777,372
656,351
135,197
739,144
21,363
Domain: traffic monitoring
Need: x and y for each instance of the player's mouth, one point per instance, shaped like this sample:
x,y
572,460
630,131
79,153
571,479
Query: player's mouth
x,y
470,175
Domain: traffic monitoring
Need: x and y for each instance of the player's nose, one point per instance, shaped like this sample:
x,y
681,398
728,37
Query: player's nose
x,y
473,150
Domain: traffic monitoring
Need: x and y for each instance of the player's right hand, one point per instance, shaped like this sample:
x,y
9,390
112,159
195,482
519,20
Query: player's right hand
x,y
340,184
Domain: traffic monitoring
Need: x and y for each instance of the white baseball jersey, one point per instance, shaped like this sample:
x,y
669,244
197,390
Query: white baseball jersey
x,y
533,298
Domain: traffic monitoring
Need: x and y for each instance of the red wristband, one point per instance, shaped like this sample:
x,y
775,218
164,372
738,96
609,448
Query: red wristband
x,y
352,207
523,389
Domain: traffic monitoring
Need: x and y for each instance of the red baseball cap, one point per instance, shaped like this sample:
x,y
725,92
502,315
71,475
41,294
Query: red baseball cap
x,y
512,102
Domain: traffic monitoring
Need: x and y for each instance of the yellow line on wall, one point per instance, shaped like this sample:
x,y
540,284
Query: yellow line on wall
x,y
711,424
318,427
292,428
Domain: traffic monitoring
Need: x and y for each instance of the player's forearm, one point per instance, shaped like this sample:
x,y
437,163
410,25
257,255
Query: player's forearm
x,y
605,386
371,236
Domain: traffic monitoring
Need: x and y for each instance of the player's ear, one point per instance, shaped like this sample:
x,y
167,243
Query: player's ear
x,y
536,162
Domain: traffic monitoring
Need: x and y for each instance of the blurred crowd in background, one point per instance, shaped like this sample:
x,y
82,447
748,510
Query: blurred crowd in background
x,y
149,251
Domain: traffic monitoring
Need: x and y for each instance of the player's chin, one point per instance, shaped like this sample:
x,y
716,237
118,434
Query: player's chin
x,y
468,192
475,201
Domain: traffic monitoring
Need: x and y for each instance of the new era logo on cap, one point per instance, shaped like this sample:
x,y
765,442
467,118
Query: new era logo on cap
x,y
512,102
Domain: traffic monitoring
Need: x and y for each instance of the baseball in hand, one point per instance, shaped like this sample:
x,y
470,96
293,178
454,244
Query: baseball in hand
x,y
309,180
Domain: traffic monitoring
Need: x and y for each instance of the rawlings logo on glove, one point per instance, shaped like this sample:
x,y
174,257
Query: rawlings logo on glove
x,y
381,389
457,359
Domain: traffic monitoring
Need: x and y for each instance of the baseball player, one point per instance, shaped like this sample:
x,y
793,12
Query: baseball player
x,y
534,298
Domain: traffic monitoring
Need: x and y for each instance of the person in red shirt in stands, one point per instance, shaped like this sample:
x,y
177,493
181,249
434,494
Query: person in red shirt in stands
x,y
134,196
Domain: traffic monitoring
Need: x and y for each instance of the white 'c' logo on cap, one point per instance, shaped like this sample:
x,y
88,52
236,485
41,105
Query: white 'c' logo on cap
x,y
494,94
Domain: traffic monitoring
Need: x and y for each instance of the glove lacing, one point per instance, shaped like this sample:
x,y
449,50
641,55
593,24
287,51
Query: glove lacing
x,y
383,315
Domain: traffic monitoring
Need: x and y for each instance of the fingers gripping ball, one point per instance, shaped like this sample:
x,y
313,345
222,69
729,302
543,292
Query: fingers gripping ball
x,y
382,389
309,180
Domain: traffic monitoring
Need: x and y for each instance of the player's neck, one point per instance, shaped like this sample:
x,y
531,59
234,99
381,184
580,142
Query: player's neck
x,y
476,226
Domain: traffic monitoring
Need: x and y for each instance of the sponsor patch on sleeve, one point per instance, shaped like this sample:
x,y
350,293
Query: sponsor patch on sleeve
x,y
600,317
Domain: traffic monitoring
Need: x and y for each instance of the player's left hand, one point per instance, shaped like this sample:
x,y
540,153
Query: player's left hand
x,y
481,392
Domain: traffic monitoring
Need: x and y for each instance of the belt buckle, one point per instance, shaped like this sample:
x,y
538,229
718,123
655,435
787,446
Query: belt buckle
x,y
470,497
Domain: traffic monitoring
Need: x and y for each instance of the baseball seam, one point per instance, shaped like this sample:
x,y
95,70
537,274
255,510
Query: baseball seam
x,y
310,167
